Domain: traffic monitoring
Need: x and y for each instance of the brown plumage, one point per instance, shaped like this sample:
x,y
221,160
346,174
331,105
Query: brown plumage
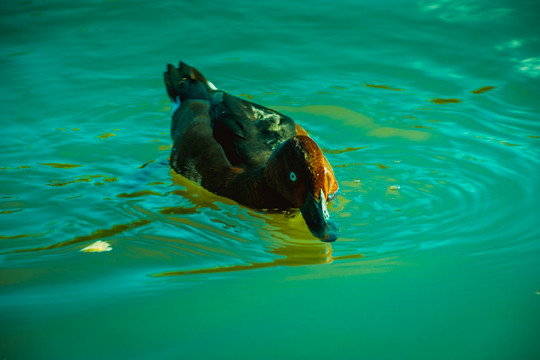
x,y
246,152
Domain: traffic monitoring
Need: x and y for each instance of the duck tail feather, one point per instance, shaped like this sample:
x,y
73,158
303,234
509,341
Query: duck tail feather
x,y
196,86
173,82
190,72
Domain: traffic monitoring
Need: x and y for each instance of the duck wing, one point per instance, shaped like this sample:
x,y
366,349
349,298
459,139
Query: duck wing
x,y
195,154
248,132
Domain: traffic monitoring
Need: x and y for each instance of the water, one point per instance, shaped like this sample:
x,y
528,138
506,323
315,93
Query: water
x,y
428,112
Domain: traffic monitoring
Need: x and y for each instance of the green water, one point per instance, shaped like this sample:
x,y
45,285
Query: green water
x,y
428,111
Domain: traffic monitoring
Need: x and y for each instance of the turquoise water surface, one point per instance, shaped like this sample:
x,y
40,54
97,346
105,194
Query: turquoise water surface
x,y
427,110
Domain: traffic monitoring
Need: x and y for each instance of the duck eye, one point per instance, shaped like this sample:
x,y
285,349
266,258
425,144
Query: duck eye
x,y
292,176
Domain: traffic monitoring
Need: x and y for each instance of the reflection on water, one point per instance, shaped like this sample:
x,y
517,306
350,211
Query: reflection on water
x,y
444,101
483,89
288,255
289,244
416,185
428,114
97,235
351,119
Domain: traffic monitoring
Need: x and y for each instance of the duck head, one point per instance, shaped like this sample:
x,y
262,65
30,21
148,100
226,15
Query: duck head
x,y
298,171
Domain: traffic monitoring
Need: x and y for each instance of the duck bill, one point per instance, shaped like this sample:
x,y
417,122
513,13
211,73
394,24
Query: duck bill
x,y
318,219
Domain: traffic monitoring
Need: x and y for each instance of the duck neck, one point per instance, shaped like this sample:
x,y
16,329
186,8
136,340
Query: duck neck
x,y
251,188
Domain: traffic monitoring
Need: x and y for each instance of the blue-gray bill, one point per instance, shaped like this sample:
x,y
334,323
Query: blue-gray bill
x,y
318,219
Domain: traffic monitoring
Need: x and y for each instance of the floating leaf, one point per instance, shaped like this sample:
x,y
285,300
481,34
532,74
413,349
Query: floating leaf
x,y
98,246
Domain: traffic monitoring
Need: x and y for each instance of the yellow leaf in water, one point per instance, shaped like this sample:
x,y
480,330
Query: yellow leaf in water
x,y
98,246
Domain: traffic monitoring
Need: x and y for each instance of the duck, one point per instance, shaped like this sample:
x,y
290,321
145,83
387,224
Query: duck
x,y
246,152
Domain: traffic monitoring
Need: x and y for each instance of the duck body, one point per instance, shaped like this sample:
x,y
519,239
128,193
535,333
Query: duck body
x,y
247,152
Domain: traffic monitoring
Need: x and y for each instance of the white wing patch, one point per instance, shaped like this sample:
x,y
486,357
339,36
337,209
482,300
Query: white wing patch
x,y
273,119
210,85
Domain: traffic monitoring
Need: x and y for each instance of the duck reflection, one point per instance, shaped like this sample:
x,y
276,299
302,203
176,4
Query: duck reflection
x,y
285,233
290,256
